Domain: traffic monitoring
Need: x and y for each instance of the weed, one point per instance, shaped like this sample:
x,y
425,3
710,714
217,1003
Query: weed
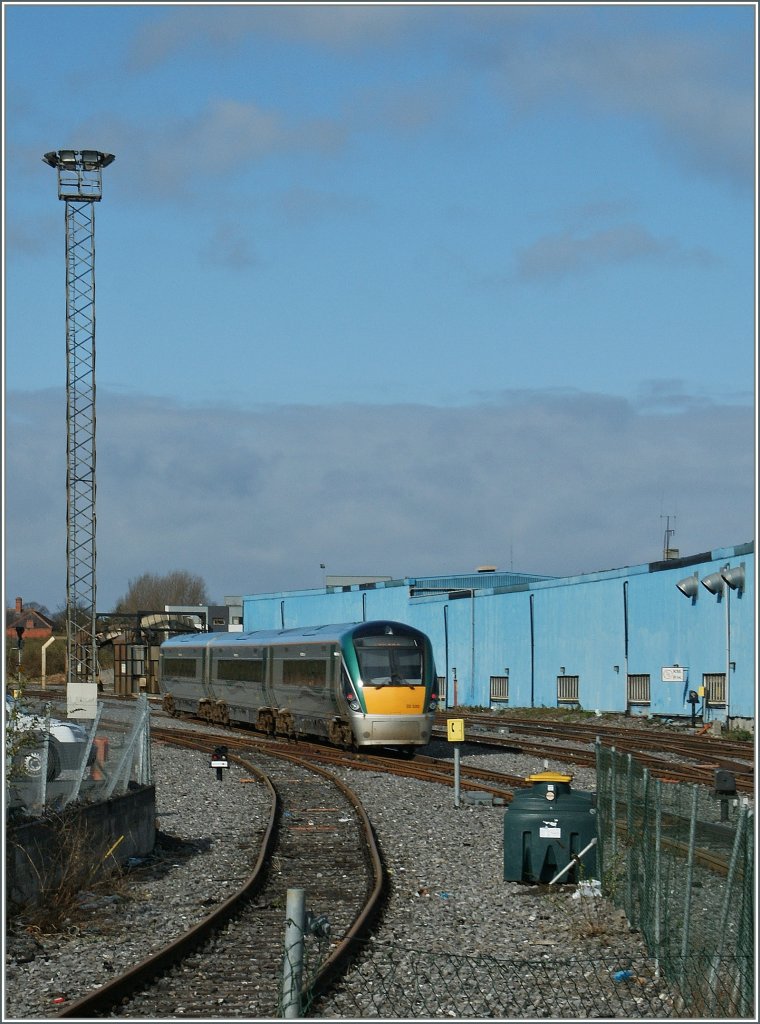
x,y
73,869
740,735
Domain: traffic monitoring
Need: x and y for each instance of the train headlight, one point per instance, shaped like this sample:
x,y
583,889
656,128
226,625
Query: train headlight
x,y
353,703
433,706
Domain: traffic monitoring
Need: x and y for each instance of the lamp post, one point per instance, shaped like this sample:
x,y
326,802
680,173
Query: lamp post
x,y
721,584
80,186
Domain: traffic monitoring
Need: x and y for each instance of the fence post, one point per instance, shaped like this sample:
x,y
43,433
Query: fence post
x,y
613,809
629,829
600,807
657,871
689,880
123,767
86,754
292,968
45,758
143,749
727,900
644,847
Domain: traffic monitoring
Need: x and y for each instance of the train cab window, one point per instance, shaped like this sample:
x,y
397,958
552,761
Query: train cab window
x,y
387,661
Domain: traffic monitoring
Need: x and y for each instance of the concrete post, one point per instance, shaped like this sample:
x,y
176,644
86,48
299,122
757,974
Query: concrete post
x,y
292,969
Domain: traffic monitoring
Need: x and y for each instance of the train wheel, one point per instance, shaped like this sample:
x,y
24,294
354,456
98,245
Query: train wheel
x,y
284,725
223,713
168,703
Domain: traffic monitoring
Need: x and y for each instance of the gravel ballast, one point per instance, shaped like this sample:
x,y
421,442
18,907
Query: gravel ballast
x,y
448,895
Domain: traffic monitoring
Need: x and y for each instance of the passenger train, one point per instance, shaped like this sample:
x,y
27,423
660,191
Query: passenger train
x,y
360,684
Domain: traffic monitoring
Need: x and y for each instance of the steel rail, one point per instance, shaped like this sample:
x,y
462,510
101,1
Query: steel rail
x,y
142,974
694,745
660,766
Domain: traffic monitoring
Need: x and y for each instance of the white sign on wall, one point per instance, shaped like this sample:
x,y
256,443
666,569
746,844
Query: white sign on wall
x,y
673,674
82,700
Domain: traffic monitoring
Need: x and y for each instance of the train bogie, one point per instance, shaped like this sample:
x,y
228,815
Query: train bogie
x,y
357,684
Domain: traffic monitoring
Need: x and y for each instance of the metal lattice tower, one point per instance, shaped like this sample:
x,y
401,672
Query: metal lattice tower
x,y
80,185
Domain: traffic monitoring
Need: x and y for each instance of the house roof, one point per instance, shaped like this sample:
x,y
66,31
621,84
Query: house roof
x,y
29,618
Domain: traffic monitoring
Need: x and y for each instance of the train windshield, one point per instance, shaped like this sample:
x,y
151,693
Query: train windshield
x,y
389,661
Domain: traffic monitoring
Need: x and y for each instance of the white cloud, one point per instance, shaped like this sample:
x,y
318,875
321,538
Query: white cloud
x,y
569,252
254,500
692,89
345,27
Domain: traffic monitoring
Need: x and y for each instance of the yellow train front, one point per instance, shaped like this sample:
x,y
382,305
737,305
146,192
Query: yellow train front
x,y
355,684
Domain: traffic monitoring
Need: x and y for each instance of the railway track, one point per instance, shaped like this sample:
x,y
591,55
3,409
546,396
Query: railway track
x,y
308,843
696,746
317,838
677,759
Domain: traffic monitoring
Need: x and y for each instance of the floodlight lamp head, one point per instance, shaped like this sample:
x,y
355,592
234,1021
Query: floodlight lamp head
x,y
689,586
86,159
734,577
713,583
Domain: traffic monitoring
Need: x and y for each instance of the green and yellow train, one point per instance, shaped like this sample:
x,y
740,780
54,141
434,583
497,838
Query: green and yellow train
x,y
359,684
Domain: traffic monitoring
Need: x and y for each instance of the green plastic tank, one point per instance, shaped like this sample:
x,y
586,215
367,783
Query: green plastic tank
x,y
545,826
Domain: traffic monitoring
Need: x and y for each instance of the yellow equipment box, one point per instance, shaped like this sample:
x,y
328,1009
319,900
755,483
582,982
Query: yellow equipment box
x,y
456,729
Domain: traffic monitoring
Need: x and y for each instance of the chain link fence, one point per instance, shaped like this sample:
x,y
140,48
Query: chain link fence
x,y
52,761
391,981
679,860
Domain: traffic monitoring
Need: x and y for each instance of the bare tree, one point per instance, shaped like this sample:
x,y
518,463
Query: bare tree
x,y
150,592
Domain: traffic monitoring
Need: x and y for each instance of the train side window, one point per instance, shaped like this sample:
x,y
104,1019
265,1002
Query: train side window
x,y
240,670
304,672
181,668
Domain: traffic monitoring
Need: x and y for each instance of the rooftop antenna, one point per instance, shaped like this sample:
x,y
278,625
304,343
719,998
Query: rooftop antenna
x,y
80,186
667,551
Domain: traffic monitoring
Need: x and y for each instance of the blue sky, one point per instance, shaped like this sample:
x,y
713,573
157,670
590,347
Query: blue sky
x,y
396,288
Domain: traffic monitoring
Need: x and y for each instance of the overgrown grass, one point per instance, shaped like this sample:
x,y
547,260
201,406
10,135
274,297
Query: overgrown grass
x,y
553,714
75,868
740,735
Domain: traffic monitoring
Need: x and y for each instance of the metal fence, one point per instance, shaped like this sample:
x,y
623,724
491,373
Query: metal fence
x,y
112,752
391,981
679,860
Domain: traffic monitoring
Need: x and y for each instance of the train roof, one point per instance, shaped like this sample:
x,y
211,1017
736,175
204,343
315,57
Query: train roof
x,y
330,632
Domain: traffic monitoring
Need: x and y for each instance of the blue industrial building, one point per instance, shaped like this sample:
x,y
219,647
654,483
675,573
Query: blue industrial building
x,y
657,639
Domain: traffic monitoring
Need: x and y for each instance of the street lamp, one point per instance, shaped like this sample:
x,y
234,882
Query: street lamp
x,y
721,584
714,583
734,577
689,586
